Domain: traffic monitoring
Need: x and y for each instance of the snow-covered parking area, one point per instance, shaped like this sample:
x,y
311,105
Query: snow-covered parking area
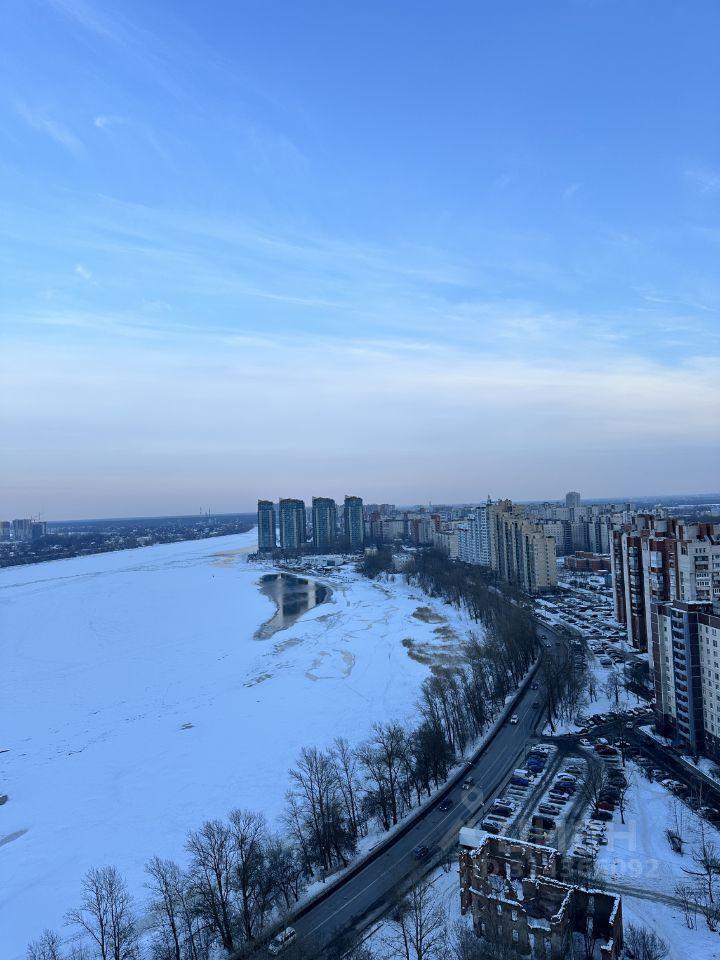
x,y
136,703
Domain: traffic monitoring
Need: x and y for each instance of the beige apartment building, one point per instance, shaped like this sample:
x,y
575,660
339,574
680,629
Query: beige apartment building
x,y
520,550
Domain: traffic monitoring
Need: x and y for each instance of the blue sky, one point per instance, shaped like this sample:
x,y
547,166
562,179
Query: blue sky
x,y
410,250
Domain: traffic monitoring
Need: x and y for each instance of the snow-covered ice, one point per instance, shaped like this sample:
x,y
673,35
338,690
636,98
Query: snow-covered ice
x,y
136,703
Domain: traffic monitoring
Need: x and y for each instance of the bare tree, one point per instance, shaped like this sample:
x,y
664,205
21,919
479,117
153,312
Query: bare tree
x,y
686,895
417,928
644,944
106,915
46,947
347,774
251,879
707,859
317,810
181,932
614,686
593,783
210,848
623,789
285,863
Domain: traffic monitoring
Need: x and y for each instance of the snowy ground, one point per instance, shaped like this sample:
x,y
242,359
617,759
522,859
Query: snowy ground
x,y
136,703
639,856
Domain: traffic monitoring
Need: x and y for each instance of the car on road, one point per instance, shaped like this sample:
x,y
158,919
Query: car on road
x,y
421,853
445,804
281,941
467,783
534,686
514,719
536,704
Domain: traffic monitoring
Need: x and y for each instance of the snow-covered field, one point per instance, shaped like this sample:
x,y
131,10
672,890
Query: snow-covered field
x,y
136,703
638,857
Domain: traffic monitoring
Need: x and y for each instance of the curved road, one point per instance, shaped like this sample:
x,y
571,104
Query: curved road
x,y
368,890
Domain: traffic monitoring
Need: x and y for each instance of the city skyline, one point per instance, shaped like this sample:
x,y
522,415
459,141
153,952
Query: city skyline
x,y
488,275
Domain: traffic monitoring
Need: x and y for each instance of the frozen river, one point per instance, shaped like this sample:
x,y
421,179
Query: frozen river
x,y
139,699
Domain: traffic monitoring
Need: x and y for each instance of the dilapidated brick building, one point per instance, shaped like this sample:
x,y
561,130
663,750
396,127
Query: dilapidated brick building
x,y
515,894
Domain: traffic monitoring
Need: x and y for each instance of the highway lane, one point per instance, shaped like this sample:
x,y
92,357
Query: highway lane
x,y
369,891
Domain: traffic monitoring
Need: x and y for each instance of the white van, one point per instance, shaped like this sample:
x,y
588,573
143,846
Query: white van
x,y
282,940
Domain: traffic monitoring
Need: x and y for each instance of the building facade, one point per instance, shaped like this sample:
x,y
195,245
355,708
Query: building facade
x,y
267,534
293,524
685,661
474,536
324,520
655,559
520,551
353,523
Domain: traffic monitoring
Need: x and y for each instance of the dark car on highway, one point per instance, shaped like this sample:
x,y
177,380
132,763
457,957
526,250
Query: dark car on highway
x,y
445,804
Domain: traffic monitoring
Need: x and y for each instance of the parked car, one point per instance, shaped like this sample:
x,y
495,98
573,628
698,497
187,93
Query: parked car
x,y
550,808
490,826
281,941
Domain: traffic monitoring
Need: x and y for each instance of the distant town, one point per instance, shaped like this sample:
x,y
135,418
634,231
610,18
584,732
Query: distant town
x,y
33,541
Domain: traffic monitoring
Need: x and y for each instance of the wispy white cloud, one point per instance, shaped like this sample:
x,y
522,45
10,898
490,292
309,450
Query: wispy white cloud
x,y
705,179
102,122
83,271
56,130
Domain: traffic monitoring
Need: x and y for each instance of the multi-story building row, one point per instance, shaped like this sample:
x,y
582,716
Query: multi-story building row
x,y
23,531
326,533
501,535
655,559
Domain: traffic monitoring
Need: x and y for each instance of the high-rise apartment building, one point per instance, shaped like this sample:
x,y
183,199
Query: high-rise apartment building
x,y
656,559
267,536
293,531
685,660
474,536
353,523
22,529
572,499
520,551
324,519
